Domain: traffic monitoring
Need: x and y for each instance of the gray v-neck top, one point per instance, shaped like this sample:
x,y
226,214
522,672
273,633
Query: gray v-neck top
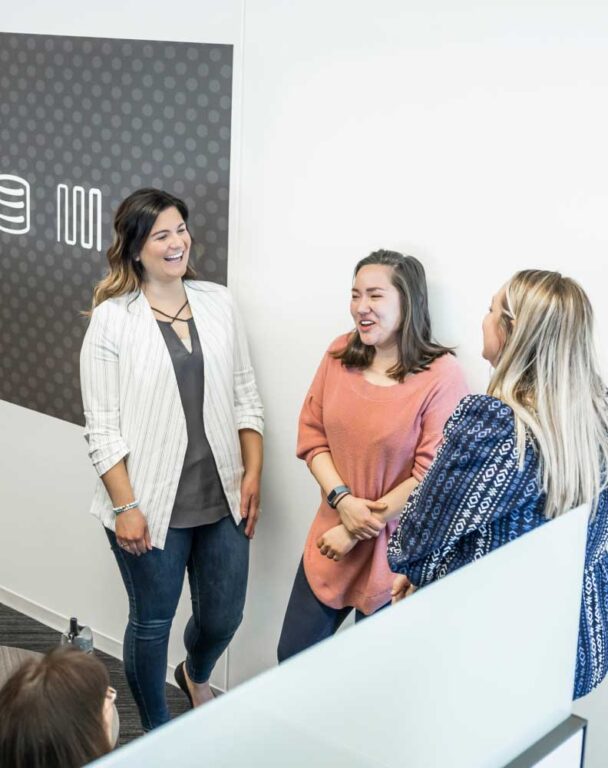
x,y
200,498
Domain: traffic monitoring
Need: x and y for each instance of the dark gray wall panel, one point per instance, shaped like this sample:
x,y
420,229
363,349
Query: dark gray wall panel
x,y
101,117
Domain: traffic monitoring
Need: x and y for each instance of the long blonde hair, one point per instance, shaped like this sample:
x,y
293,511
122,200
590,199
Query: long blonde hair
x,y
133,223
548,373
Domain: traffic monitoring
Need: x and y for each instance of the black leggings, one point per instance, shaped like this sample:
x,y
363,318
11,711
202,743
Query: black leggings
x,y
307,620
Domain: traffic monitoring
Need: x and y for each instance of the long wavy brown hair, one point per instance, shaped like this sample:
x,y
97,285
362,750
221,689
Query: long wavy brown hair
x,y
133,223
417,350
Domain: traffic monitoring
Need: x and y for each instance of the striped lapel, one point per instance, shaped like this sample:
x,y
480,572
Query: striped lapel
x,y
151,358
202,306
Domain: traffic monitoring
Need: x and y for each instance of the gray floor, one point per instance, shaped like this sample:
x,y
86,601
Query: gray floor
x,y
22,632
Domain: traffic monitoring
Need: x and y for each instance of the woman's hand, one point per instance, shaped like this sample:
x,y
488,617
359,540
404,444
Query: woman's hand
x,y
356,516
132,532
336,543
402,587
250,501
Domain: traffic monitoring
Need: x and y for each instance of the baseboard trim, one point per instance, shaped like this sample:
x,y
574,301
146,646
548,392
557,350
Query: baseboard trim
x,y
58,621
55,620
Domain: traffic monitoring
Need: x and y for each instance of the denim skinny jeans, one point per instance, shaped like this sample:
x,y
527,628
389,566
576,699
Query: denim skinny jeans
x,y
216,557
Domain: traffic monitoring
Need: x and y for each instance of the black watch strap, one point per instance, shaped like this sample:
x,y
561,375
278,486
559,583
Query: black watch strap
x,y
334,496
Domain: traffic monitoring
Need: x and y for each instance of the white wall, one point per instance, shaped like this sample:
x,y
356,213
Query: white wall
x,y
471,135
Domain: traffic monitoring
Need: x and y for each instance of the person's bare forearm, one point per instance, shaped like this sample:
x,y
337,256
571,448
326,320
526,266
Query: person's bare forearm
x,y
396,500
252,453
118,485
132,532
252,450
325,472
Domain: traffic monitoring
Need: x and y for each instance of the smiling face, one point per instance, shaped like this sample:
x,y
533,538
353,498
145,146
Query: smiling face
x,y
376,306
493,331
165,253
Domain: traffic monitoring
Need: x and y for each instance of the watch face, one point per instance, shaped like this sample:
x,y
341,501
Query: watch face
x,y
341,489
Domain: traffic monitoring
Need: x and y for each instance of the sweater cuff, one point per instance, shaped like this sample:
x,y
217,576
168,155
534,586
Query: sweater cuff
x,y
314,452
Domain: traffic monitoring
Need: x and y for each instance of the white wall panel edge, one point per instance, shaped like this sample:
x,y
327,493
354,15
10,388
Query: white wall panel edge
x,y
236,150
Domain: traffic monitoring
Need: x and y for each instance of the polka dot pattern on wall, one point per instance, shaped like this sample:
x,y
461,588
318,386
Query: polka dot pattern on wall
x,y
112,115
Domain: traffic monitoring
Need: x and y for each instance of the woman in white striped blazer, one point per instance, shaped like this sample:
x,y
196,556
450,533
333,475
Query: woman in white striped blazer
x,y
174,424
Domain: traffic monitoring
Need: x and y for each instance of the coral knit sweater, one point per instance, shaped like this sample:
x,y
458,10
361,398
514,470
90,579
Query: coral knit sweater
x,y
378,437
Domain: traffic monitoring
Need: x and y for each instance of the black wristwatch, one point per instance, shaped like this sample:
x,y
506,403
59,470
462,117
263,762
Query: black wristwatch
x,y
333,497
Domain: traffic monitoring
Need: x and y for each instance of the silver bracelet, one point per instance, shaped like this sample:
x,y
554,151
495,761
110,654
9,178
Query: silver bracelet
x,y
125,507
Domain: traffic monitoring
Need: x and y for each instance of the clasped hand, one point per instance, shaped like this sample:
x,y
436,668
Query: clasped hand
x,y
356,516
336,543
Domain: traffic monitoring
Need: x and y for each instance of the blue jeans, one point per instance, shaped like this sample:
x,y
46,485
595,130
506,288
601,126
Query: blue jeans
x,y
216,557
307,620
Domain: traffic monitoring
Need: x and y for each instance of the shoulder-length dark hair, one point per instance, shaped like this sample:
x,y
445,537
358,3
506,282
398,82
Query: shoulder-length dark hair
x,y
417,350
133,223
51,712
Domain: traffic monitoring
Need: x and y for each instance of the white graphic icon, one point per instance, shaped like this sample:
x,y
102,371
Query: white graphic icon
x,y
14,204
88,229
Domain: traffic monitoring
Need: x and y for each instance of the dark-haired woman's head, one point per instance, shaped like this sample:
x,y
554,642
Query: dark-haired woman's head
x,y
390,308
150,240
376,305
54,712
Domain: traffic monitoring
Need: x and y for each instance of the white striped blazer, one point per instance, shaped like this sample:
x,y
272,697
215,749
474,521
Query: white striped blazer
x,y
133,409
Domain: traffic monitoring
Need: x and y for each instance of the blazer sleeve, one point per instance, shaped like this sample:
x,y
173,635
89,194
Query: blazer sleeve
x,y
99,378
312,439
449,389
247,403
459,493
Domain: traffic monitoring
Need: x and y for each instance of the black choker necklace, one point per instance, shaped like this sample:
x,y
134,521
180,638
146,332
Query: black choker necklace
x,y
175,317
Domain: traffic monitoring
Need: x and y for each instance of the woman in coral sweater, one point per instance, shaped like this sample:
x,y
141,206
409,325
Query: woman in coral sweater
x,y
369,428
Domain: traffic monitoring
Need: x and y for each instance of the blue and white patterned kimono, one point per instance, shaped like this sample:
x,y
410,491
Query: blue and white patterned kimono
x,y
474,499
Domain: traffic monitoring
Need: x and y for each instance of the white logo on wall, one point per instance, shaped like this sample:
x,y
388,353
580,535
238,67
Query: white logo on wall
x,y
86,229
14,204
